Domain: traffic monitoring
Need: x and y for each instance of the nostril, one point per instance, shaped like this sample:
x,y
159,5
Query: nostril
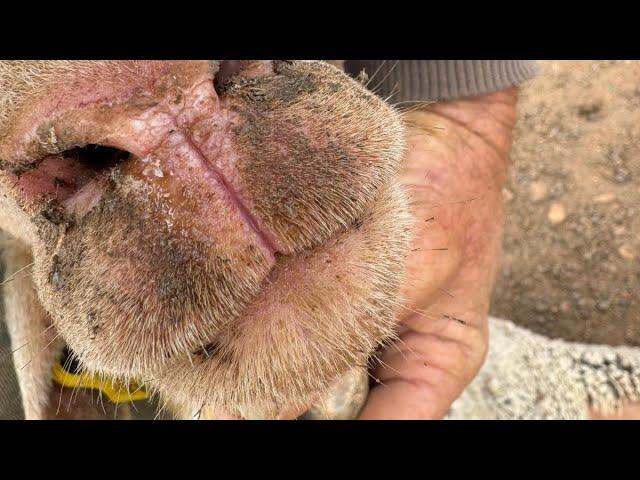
x,y
59,177
96,158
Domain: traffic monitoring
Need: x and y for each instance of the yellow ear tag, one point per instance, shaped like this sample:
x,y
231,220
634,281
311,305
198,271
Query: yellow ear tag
x,y
116,392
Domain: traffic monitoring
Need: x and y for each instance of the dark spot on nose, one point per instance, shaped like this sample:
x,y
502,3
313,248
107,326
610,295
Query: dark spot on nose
x,y
92,324
55,275
62,183
208,350
227,69
280,65
55,214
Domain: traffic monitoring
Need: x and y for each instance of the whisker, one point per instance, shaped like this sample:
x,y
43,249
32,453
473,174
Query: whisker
x,y
59,401
115,412
417,312
161,409
28,342
419,102
394,90
386,76
377,380
395,344
64,367
13,275
386,365
375,73
199,412
24,275
411,350
43,349
101,398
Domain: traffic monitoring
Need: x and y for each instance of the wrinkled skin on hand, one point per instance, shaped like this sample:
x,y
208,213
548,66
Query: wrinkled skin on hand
x,y
458,153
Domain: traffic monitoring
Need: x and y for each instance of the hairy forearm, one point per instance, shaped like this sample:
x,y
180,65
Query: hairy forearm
x,y
457,166
481,127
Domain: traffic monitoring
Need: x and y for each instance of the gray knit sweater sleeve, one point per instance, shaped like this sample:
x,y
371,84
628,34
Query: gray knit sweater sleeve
x,y
424,80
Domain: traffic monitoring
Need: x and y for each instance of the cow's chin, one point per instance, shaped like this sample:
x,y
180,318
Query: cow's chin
x,y
319,314
315,316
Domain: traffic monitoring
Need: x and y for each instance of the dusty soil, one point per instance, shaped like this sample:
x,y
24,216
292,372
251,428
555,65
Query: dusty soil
x,y
571,264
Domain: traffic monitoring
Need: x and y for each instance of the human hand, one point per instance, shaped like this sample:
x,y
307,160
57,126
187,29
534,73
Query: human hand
x,y
455,170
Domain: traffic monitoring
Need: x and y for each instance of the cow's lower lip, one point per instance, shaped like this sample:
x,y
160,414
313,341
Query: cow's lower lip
x,y
343,400
284,262
334,404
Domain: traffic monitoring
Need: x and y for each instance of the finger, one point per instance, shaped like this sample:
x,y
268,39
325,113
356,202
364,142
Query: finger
x,y
406,399
627,412
419,353
424,373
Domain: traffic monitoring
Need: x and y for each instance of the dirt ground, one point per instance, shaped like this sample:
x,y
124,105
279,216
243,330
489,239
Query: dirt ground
x,y
571,264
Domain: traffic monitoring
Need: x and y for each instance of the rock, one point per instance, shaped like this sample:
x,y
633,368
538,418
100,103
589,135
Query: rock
x,y
557,213
586,303
619,230
538,191
626,251
345,398
541,307
529,376
590,111
604,198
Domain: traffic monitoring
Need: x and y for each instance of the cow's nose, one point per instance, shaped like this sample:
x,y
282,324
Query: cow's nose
x,y
171,137
285,154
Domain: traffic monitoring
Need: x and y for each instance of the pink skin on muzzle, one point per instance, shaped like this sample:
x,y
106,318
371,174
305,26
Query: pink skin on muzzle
x,y
175,128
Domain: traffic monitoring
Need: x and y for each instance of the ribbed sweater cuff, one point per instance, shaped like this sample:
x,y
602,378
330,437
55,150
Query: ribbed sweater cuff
x,y
424,80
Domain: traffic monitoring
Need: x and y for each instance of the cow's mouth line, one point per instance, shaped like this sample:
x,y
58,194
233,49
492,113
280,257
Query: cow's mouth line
x,y
211,346
267,240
